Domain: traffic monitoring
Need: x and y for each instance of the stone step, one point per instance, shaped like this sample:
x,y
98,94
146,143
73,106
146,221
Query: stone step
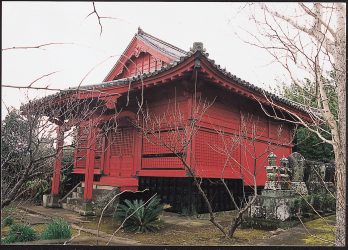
x,y
71,207
66,206
76,195
73,201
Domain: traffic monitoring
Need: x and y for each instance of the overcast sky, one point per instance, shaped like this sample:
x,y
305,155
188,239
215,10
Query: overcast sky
x,y
181,24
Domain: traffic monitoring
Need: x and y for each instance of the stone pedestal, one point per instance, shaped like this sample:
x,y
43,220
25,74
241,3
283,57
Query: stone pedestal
x,y
49,200
272,209
299,187
274,205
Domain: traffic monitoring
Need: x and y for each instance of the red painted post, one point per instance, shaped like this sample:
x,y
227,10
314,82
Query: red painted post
x,y
89,175
58,161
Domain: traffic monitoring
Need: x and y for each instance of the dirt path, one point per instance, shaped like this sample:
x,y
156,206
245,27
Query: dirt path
x,y
179,230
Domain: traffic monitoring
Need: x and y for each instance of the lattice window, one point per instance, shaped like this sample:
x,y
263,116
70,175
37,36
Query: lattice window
x,y
206,158
122,142
98,149
156,155
81,152
156,144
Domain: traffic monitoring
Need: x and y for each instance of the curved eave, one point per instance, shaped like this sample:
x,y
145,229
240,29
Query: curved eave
x,y
173,71
228,81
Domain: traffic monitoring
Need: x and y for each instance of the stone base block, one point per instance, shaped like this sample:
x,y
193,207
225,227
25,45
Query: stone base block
x,y
87,209
49,200
276,206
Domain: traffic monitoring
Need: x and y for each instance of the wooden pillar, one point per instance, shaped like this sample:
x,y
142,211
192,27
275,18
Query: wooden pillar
x,y
58,161
89,174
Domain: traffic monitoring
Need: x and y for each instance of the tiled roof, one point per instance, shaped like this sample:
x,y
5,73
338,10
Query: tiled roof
x,y
197,48
160,45
218,67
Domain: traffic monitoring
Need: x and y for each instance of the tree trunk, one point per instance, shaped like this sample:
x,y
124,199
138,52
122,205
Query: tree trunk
x,y
340,197
340,148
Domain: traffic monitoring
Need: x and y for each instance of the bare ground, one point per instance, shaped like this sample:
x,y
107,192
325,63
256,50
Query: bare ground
x,y
175,230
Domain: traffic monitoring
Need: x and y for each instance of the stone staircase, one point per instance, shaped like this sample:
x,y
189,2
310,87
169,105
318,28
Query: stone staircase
x,y
73,201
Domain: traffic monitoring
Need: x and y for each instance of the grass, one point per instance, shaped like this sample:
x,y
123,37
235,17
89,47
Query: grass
x,y
57,229
321,228
20,233
8,221
315,240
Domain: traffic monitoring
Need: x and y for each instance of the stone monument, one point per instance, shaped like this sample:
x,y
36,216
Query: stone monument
x,y
285,189
296,164
273,208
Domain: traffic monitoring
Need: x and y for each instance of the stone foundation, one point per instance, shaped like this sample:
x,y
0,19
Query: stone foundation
x,y
273,205
49,200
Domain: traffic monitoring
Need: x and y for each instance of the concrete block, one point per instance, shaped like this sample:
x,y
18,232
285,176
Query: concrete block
x,y
49,200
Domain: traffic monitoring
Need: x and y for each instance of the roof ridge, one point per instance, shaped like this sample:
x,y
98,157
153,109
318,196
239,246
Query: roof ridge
x,y
161,41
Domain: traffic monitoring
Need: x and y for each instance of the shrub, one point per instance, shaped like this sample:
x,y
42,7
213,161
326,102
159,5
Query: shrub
x,y
302,204
20,233
317,201
329,203
8,221
37,188
145,219
57,229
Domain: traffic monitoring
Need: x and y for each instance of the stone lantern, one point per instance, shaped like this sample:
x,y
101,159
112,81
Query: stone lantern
x,y
272,159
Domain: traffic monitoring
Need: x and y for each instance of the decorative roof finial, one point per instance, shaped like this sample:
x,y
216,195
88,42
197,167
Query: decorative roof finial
x,y
197,46
140,31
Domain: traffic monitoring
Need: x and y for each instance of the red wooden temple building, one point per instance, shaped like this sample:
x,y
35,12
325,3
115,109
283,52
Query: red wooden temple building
x,y
157,74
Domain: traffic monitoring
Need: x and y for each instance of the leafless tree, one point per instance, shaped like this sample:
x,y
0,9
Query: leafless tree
x,y
246,139
26,154
175,132
34,149
309,41
70,109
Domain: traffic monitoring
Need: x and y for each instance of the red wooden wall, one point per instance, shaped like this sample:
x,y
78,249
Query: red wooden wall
x,y
117,151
